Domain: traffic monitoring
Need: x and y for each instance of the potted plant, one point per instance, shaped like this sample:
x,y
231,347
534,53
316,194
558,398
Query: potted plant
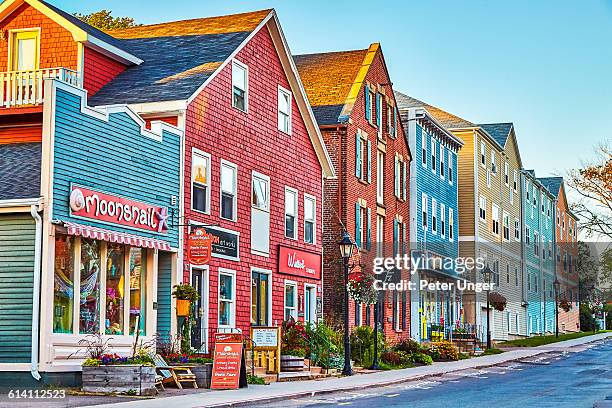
x,y
497,301
105,371
565,304
293,345
361,288
185,295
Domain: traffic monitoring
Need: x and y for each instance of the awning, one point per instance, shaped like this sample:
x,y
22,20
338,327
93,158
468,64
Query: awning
x,y
87,231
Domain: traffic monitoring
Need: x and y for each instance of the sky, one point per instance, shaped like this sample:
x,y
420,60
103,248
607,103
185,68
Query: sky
x,y
544,65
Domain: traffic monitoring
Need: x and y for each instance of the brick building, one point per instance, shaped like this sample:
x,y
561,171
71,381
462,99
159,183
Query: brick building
x,y
352,98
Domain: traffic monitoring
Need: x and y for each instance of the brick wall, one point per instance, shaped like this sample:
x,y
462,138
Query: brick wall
x,y
98,70
57,47
342,195
252,142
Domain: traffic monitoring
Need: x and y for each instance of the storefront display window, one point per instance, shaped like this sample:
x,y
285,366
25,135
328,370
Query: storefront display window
x,y
63,284
89,311
115,288
226,299
138,261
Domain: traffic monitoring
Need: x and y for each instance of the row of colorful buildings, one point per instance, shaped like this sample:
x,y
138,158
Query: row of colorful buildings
x,y
115,147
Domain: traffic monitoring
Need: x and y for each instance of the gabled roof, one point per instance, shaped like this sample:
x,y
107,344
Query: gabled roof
x,y
20,171
499,131
552,184
328,79
179,57
448,120
81,32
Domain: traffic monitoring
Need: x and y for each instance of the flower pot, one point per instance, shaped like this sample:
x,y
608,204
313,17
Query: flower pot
x,y
136,379
183,307
292,363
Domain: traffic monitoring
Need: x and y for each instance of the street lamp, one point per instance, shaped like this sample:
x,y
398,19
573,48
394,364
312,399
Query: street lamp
x,y
487,275
556,284
346,250
375,365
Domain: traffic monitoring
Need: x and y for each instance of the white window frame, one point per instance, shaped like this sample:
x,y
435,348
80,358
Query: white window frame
x,y
308,197
505,217
434,155
517,229
442,162
265,178
451,224
294,309
232,273
451,175
235,201
482,205
506,173
380,177
297,211
424,211
493,162
495,219
314,309
207,156
483,155
442,220
288,93
380,234
434,216
241,65
488,178
515,181
424,151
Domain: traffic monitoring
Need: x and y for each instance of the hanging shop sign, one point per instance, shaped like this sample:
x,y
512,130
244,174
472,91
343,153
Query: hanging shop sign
x,y
297,262
224,243
112,209
229,367
199,246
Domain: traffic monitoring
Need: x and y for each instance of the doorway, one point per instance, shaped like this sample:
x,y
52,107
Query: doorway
x,y
260,297
199,331
310,304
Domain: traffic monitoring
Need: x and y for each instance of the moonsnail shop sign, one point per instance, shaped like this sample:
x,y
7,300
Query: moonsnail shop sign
x,y
111,209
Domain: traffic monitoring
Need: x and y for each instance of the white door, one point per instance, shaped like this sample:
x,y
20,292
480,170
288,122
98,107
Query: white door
x,y
310,304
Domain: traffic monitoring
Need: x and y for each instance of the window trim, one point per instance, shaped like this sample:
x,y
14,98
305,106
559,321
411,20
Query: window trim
x,y
451,224
482,200
269,296
314,221
296,215
232,273
235,201
207,156
434,216
246,82
442,162
483,154
424,211
380,177
451,175
434,155
443,225
261,176
424,149
314,287
282,90
12,35
295,299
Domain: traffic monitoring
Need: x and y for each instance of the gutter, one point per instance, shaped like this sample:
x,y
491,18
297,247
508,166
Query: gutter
x,y
36,294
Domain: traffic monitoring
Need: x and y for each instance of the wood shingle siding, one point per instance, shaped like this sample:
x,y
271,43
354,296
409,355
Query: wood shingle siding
x,y
17,233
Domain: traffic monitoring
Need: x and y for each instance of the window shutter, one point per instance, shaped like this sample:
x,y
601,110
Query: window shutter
x,y
358,224
358,155
404,182
368,103
395,238
378,108
369,161
369,230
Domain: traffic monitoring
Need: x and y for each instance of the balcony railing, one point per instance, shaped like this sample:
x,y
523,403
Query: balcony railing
x,y
20,88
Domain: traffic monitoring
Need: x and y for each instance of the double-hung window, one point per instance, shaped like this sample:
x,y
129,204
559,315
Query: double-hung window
x,y
284,110
240,90
291,212
483,154
517,229
483,208
200,181
442,220
442,166
506,174
434,216
310,218
380,177
493,163
450,166
506,226
229,182
227,298
424,148
291,300
495,218
451,225
433,155
424,211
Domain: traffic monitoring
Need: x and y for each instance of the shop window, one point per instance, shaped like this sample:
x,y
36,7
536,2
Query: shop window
x,y
200,181
63,284
290,300
227,298
284,110
291,204
239,86
138,290
310,219
89,310
229,178
260,298
115,289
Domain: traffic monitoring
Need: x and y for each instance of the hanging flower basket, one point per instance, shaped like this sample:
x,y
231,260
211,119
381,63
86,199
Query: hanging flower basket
x,y
566,305
497,301
361,288
183,307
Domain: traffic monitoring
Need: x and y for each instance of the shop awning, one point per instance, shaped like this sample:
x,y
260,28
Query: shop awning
x,y
87,231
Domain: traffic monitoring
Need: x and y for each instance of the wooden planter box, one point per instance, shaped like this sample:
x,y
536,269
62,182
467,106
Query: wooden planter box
x,y
120,379
292,363
203,373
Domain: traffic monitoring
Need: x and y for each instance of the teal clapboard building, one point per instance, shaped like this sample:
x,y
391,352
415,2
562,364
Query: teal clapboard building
x,y
434,217
538,249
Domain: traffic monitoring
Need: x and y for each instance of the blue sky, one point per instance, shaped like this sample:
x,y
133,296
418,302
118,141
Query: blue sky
x,y
544,65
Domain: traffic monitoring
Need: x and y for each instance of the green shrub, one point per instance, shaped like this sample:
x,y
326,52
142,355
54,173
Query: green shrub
x,y
421,358
443,350
396,359
362,344
408,346
253,379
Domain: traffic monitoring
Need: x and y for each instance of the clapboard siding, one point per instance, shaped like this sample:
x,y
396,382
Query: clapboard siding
x,y
164,289
17,234
466,185
114,157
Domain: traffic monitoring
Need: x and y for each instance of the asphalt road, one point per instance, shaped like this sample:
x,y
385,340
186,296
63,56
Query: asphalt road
x,y
557,379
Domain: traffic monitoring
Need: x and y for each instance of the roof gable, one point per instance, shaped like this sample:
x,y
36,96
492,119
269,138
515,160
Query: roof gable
x,y
552,184
448,120
499,131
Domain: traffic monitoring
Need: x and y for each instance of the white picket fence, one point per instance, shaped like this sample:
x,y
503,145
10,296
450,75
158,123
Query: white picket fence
x,y
19,88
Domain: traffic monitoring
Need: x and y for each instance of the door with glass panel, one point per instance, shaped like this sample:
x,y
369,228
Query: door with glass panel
x,y
310,304
260,286
199,332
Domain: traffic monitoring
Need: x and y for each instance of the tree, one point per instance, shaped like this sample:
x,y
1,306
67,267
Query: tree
x,y
605,275
587,267
594,184
103,20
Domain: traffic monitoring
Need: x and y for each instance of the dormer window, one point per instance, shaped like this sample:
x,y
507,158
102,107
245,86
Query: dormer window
x,y
25,48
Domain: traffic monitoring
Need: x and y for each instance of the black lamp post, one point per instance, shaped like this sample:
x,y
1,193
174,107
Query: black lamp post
x,y
346,250
375,365
487,275
556,284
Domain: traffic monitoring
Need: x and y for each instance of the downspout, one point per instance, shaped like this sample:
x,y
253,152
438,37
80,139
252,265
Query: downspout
x,y
36,294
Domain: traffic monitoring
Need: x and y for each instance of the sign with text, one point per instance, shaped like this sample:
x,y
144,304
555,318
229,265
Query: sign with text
x,y
111,209
265,337
199,246
298,262
224,243
229,369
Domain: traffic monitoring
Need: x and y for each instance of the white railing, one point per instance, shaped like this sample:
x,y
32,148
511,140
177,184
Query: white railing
x,y
18,88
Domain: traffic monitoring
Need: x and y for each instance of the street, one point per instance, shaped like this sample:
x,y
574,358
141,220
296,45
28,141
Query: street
x,y
554,379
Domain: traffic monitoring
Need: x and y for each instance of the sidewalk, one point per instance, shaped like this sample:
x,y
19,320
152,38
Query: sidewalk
x,y
276,391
